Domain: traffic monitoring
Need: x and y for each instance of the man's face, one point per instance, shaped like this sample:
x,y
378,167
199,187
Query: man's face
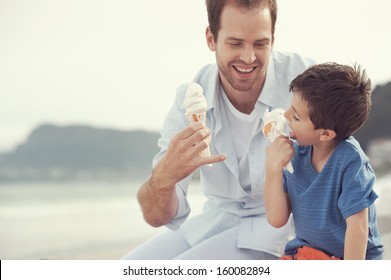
x,y
243,48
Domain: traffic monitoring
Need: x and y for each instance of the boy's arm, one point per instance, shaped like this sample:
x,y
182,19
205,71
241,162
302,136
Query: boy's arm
x,y
356,236
276,200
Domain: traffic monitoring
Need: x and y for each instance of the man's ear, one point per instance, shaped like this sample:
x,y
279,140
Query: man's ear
x,y
210,39
327,134
272,41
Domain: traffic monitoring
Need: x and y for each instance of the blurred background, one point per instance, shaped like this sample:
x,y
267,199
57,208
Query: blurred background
x,y
84,89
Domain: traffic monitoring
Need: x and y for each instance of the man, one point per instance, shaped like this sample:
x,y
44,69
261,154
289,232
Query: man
x,y
247,79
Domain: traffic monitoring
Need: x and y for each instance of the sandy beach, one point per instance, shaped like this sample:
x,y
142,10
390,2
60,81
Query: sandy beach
x,y
98,221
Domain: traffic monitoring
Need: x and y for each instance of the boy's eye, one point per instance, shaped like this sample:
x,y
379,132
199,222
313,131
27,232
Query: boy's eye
x,y
295,118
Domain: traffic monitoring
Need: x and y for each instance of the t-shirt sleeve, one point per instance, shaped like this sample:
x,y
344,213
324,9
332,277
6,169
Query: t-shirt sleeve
x,y
284,184
357,188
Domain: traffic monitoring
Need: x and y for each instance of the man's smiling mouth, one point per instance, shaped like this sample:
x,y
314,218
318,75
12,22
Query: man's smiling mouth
x,y
243,70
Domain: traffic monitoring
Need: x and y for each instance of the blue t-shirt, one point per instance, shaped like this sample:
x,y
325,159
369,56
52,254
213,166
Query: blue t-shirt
x,y
321,202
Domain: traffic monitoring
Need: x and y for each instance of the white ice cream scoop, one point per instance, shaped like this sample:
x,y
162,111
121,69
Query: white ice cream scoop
x,y
195,102
195,106
274,125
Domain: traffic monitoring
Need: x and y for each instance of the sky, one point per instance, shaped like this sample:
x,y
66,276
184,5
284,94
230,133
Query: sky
x,y
117,63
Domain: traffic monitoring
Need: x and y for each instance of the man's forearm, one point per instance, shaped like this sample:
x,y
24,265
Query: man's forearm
x,y
159,203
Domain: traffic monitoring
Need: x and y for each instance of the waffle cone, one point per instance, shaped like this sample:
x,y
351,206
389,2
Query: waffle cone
x,y
200,117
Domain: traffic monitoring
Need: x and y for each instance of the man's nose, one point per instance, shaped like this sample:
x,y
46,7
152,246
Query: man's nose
x,y
248,55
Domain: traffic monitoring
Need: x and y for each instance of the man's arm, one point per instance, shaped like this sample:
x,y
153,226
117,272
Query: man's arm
x,y
356,236
157,196
158,202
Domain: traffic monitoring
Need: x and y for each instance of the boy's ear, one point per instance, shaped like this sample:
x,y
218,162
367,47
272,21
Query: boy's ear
x,y
327,134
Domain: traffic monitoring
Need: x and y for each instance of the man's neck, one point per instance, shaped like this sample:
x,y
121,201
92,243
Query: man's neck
x,y
243,101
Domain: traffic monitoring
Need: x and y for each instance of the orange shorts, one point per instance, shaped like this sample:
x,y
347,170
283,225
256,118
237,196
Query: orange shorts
x,y
308,253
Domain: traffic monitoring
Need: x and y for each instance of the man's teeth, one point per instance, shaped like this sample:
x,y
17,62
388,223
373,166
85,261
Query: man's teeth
x,y
244,70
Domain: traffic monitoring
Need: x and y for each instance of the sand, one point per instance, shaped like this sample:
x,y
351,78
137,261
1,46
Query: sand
x,y
97,222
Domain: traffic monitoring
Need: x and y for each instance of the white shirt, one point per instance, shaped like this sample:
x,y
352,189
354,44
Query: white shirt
x,y
234,188
243,127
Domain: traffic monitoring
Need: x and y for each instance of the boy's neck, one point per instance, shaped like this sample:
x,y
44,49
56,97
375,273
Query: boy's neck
x,y
321,153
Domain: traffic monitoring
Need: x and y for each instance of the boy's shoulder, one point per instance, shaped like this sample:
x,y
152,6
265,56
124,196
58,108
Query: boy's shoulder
x,y
351,146
349,153
347,150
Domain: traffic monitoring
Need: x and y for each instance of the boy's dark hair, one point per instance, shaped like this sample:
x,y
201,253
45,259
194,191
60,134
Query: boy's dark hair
x,y
215,7
338,96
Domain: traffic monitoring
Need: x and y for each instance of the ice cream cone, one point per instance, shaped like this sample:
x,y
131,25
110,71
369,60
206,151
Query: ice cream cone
x,y
195,108
274,125
200,118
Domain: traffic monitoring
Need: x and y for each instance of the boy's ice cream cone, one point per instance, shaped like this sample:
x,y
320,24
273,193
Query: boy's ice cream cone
x,y
274,125
195,105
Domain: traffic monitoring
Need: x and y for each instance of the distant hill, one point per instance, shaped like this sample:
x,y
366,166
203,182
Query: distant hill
x,y
80,152
379,122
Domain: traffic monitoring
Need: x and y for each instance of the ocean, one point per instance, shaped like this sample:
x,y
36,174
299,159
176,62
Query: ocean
x,y
83,220
91,221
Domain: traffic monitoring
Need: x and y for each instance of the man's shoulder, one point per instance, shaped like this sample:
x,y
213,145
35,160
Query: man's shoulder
x,y
292,60
285,66
206,73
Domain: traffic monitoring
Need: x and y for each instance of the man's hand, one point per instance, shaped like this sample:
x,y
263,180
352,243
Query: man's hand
x,y
157,196
183,154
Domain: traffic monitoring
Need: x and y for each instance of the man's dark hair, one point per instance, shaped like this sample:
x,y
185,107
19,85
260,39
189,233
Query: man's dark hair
x,y
215,7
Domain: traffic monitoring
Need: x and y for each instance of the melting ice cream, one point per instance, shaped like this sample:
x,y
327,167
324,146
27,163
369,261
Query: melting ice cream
x,y
274,125
195,106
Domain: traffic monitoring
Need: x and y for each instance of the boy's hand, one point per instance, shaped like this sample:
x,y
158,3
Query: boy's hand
x,y
279,153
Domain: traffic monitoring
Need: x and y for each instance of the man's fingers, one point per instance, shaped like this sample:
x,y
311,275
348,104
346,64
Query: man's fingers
x,y
190,130
212,159
199,136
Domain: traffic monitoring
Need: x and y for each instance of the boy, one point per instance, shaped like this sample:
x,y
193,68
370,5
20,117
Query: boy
x,y
330,193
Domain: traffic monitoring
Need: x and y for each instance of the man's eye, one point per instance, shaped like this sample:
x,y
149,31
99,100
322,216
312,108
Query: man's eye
x,y
235,44
261,45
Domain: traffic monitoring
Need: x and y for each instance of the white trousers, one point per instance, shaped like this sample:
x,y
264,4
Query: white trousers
x,y
171,245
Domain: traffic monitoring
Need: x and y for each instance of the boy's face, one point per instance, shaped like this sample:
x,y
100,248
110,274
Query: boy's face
x,y
302,128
